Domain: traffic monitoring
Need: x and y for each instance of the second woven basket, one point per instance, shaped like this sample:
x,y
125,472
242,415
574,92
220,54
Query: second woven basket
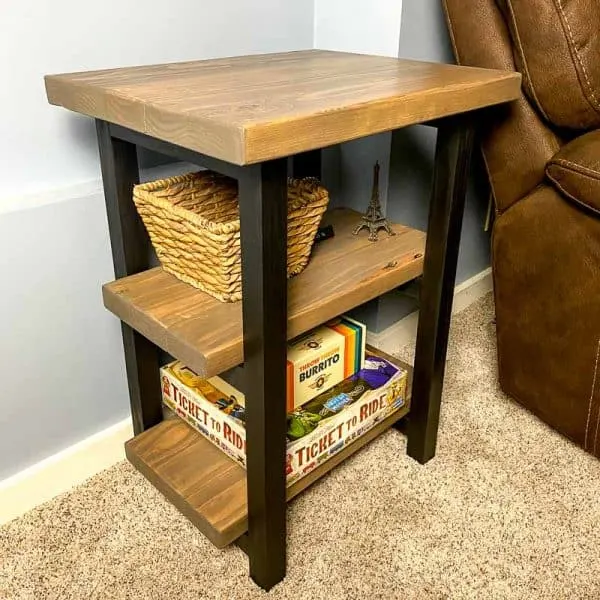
x,y
193,223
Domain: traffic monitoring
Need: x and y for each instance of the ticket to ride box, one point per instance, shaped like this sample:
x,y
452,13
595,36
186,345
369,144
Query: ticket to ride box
x,y
315,432
322,358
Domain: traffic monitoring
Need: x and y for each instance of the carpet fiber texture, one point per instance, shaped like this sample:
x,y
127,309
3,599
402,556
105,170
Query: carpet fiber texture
x,y
507,509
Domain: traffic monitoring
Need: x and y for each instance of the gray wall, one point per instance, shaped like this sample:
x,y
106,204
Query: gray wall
x,y
61,361
424,36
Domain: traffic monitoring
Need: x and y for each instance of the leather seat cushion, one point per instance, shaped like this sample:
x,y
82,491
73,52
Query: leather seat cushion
x,y
557,49
575,170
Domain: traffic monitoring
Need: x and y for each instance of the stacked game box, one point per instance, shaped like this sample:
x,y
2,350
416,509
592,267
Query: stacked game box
x,y
317,430
322,358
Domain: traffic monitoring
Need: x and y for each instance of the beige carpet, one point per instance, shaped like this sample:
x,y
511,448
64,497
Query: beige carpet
x,y
507,509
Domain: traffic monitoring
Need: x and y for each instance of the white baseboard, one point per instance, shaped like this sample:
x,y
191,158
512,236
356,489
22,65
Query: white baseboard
x,y
404,331
472,289
63,471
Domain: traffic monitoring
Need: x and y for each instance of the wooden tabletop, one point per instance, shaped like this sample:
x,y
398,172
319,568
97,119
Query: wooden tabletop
x,y
254,108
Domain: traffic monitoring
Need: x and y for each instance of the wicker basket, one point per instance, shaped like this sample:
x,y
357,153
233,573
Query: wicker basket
x,y
193,223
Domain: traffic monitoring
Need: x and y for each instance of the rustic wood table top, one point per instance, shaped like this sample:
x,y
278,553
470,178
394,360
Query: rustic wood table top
x,y
255,108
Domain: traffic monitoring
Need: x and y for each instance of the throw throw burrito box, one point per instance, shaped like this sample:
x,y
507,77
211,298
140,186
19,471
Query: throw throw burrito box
x,y
322,358
316,431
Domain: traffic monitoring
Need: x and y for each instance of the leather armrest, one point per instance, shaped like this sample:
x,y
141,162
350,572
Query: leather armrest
x,y
575,170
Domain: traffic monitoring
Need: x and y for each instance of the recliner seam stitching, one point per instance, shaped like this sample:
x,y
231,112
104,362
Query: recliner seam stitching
x,y
451,32
577,201
524,61
587,426
578,56
597,426
577,168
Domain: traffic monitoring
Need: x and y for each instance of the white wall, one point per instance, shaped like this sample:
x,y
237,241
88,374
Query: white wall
x,y
44,147
369,27
61,363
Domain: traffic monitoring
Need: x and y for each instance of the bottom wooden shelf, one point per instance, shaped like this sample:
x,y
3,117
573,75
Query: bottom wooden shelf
x,y
207,486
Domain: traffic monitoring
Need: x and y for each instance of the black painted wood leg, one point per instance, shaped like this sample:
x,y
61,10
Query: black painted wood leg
x,y
129,243
452,160
307,164
263,220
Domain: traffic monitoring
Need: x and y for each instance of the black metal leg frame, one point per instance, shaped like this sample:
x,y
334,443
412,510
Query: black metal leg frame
x,y
263,238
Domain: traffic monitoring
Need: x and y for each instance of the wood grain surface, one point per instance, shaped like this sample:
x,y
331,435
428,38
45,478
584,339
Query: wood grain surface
x,y
206,334
254,108
197,477
207,486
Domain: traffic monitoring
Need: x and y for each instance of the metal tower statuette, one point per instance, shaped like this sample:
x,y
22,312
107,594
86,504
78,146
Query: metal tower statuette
x,y
373,219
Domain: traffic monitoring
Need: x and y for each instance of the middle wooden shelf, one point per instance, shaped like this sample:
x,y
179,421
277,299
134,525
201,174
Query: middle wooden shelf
x,y
206,334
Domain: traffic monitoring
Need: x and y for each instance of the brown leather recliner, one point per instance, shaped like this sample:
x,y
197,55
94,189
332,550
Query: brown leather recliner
x,y
542,154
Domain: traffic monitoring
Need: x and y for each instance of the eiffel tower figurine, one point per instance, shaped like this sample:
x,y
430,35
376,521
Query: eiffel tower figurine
x,y
373,220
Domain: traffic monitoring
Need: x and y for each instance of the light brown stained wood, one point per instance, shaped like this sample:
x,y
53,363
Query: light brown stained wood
x,y
206,334
207,486
254,108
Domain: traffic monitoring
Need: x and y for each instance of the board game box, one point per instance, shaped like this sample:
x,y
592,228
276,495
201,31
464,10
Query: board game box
x,y
317,430
323,357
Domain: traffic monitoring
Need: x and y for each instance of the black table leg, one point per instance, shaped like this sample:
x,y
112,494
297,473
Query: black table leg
x,y
452,159
263,219
307,164
129,243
